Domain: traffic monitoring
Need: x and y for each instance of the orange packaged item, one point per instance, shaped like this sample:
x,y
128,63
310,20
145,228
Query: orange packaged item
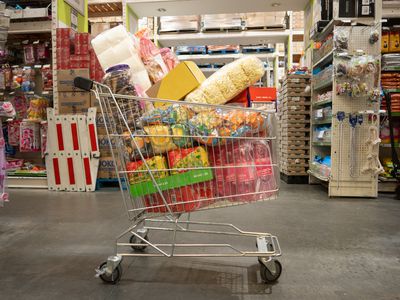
x,y
394,44
385,39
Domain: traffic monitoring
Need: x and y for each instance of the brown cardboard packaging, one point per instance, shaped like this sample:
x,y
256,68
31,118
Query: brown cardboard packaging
x,y
73,102
65,79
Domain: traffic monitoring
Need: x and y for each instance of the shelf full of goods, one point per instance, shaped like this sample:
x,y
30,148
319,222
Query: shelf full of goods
x,y
390,83
194,151
26,82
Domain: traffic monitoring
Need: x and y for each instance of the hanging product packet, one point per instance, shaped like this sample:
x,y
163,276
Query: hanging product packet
x,y
29,139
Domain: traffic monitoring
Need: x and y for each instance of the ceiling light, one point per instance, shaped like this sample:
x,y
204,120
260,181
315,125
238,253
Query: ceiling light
x,y
162,10
275,4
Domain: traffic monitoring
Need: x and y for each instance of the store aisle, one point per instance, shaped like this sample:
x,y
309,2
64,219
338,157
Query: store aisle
x,y
50,244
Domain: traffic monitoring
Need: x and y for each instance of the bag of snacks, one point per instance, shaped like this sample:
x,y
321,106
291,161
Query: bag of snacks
x,y
187,158
141,173
228,82
160,138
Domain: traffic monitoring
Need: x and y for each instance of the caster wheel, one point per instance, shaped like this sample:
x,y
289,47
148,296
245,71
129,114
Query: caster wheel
x,y
114,277
135,240
267,275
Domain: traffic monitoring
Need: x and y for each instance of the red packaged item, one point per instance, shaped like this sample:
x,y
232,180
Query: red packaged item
x,y
243,169
29,54
182,199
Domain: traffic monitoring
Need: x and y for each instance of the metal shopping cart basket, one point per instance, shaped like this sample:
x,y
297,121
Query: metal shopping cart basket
x,y
183,157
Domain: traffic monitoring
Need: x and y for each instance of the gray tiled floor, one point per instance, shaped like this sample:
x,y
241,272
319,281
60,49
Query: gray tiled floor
x,y
50,244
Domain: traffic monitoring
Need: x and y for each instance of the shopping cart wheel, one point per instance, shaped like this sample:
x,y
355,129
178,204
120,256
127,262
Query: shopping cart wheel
x,y
135,240
114,277
270,271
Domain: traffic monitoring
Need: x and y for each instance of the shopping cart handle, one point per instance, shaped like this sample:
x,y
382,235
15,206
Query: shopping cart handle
x,y
83,83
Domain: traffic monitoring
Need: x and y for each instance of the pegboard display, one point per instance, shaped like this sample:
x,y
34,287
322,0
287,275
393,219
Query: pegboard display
x,y
354,146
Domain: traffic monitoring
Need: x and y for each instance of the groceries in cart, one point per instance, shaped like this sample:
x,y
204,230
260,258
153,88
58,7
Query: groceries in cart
x,y
190,151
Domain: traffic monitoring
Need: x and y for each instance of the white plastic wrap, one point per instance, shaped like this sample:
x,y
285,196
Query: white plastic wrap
x,y
114,47
228,82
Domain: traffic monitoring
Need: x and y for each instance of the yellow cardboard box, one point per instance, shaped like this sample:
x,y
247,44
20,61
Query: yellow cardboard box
x,y
182,80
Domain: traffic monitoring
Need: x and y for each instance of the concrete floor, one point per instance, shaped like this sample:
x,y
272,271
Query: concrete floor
x,y
50,244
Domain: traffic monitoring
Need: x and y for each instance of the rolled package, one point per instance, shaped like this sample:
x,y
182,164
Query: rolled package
x,y
228,82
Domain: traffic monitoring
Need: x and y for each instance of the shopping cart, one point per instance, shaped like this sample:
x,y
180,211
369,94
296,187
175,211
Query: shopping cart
x,y
186,157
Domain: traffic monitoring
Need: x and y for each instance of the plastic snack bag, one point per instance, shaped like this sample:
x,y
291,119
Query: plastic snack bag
x,y
152,59
141,173
187,158
160,138
228,82
170,59
142,142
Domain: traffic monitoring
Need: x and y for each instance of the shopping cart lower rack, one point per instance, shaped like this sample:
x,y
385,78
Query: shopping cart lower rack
x,y
183,157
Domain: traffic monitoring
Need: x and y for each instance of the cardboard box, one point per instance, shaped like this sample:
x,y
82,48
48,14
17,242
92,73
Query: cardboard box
x,y
73,102
182,80
65,79
100,125
262,94
104,144
106,168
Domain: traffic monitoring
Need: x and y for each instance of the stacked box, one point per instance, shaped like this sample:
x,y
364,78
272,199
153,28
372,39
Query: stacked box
x,y
294,123
72,49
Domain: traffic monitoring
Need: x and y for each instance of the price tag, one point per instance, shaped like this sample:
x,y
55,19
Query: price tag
x,y
321,134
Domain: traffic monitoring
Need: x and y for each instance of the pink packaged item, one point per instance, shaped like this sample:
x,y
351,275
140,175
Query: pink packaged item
x,y
13,132
29,139
29,54
152,59
170,59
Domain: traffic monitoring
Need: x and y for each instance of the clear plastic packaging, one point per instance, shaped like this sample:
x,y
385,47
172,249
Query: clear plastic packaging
x,y
228,82
118,78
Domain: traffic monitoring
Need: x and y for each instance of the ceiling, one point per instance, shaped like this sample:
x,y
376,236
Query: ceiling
x,y
150,8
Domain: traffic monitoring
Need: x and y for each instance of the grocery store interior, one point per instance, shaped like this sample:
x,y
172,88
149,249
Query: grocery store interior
x,y
194,148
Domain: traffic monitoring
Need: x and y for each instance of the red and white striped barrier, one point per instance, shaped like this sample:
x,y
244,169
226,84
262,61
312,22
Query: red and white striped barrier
x,y
72,158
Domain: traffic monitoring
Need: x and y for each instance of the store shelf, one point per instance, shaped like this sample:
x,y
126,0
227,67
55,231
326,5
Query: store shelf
x,y
323,85
384,145
325,59
392,90
222,38
27,182
145,8
390,9
322,122
30,27
327,30
223,58
391,69
322,103
322,144
318,176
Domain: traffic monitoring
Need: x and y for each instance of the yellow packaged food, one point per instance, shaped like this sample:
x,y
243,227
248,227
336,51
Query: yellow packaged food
x,y
186,159
141,172
160,138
